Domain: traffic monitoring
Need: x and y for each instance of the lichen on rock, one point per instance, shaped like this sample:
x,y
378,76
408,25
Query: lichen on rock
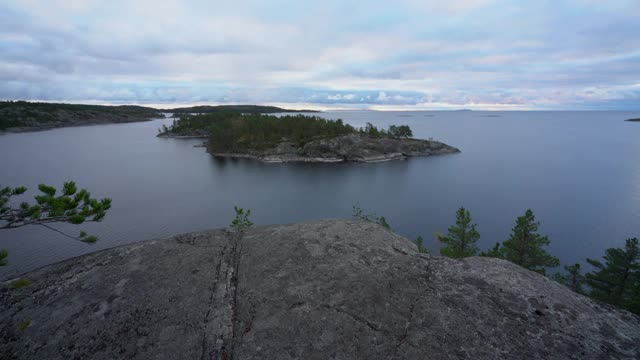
x,y
340,289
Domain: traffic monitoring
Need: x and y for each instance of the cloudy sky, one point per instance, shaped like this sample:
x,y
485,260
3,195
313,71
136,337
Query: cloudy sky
x,y
401,54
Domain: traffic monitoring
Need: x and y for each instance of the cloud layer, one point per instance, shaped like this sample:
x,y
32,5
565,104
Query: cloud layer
x,y
498,54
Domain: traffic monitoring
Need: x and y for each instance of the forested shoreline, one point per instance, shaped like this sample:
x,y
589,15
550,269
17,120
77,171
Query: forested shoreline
x,y
17,116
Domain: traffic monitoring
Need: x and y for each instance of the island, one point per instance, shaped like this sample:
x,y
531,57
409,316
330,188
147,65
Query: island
x,y
300,138
634,120
21,116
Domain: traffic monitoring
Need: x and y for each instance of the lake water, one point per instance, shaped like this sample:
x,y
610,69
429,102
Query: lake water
x,y
578,171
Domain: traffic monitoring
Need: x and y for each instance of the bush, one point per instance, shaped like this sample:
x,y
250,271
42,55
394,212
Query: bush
x,y
241,220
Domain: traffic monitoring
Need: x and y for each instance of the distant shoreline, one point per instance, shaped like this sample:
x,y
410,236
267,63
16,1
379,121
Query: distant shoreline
x,y
26,116
22,130
247,109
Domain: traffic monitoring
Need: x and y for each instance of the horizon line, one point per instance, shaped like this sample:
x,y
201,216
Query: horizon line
x,y
327,107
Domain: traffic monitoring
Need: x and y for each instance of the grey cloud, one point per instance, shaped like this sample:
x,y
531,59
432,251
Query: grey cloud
x,y
510,54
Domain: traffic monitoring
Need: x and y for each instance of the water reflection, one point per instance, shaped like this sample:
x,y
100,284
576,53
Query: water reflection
x,y
577,171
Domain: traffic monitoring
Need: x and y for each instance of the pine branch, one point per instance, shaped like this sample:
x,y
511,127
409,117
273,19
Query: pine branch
x,y
83,236
71,206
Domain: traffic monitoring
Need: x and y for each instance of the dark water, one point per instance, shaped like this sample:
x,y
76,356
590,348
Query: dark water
x,y
578,171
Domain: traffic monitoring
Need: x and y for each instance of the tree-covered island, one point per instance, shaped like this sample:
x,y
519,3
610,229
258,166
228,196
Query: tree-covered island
x,y
300,138
17,116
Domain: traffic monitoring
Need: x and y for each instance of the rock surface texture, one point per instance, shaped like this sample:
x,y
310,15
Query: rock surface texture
x,y
331,289
352,147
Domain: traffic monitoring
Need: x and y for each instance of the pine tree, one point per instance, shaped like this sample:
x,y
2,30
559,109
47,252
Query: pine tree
x,y
383,221
68,206
241,221
358,213
421,249
573,279
461,238
633,304
495,252
617,281
524,247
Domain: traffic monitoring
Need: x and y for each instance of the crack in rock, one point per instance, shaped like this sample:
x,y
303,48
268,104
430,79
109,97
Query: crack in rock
x,y
211,302
221,318
403,338
356,317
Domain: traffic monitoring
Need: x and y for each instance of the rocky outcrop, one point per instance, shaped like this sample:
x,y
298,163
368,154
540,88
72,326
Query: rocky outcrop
x,y
352,147
171,136
332,289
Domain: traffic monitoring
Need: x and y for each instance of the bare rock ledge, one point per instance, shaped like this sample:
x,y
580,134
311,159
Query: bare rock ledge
x,y
331,289
346,148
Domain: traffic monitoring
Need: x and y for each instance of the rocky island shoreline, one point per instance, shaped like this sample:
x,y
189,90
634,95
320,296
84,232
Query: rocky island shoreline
x,y
346,148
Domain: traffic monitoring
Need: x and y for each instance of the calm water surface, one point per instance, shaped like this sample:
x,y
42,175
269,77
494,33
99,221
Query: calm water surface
x,y
578,171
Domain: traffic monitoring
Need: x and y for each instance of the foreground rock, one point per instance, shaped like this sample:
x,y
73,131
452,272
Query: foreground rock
x,y
352,147
330,289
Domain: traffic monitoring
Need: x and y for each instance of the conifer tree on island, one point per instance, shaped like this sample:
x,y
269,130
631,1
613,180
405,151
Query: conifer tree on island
x,y
573,279
617,281
525,246
461,238
495,252
419,244
71,206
